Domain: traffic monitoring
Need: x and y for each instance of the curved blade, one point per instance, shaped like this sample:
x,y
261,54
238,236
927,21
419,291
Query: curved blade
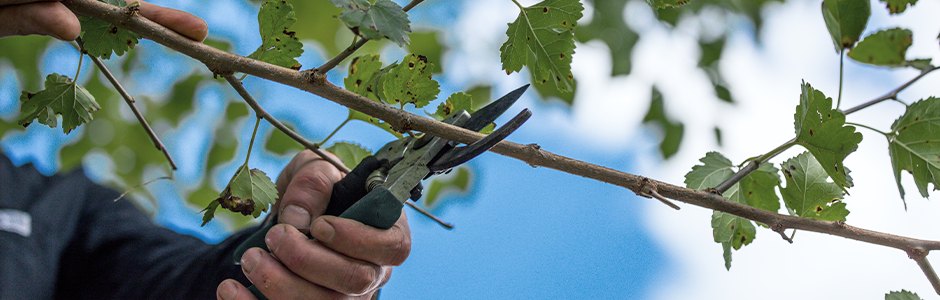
x,y
489,113
456,156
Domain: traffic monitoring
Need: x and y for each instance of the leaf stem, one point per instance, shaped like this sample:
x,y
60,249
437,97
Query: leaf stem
x,y
253,134
81,55
841,70
752,166
519,5
867,127
334,132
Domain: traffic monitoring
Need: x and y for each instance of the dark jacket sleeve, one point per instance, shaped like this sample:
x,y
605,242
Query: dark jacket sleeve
x,y
117,252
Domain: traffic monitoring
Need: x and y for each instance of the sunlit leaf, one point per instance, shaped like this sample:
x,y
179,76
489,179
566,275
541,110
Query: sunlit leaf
x,y
822,131
541,38
672,130
808,192
382,19
902,295
660,4
548,91
898,6
454,103
914,145
250,192
846,20
101,38
429,44
409,82
887,48
350,153
716,168
355,115
62,97
279,46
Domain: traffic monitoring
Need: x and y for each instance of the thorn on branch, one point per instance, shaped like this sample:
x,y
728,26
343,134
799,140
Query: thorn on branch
x,y
649,190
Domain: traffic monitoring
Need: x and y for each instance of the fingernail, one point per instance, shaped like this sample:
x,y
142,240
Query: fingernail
x,y
322,230
228,291
250,260
273,238
295,216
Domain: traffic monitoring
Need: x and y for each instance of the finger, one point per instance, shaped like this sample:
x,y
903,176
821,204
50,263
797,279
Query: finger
x,y
180,21
313,261
277,282
15,2
354,239
307,193
233,290
45,18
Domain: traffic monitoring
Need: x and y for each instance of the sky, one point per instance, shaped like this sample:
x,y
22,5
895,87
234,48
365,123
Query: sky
x,y
526,232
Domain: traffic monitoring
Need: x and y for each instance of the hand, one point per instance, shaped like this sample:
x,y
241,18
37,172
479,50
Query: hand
x,y
52,18
347,259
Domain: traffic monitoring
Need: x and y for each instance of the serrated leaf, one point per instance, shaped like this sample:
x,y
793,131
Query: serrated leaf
x,y
101,38
409,82
902,295
350,153
716,169
898,6
541,38
886,48
361,78
914,145
672,130
382,19
660,4
61,96
279,46
209,212
758,188
454,103
821,130
355,115
249,192
429,44
458,181
845,20
808,192
548,91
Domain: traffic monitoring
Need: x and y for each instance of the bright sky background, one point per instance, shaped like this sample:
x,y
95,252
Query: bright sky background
x,y
539,233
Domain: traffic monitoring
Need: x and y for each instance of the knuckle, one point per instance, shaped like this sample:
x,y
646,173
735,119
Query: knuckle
x,y
359,279
399,250
315,181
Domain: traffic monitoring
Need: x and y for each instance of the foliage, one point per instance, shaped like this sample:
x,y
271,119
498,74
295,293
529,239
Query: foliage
x,y
278,45
902,295
542,38
61,96
350,153
822,131
381,19
250,192
914,146
673,130
808,194
845,19
102,38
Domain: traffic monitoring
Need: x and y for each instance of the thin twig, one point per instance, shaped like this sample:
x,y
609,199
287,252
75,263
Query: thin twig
x,y
752,166
919,255
891,95
235,83
140,185
782,231
332,63
130,102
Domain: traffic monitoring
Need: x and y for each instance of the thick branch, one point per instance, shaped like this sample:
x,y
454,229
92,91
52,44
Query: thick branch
x,y
224,63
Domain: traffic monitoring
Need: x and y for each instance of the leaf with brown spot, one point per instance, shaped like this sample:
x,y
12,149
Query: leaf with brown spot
x,y
279,46
809,194
101,38
828,139
887,48
537,36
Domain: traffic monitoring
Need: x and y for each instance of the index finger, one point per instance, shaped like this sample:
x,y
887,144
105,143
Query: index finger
x,y
180,21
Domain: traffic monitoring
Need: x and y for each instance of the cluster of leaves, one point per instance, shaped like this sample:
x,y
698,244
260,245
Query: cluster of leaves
x,y
821,129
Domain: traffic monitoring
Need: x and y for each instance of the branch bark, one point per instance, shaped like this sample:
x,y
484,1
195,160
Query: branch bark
x,y
224,63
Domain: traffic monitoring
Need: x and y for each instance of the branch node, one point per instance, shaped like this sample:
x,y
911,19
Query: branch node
x,y
917,253
131,9
535,149
713,191
840,224
648,189
314,77
779,228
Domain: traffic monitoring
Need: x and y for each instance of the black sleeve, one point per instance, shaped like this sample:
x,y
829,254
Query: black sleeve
x,y
117,252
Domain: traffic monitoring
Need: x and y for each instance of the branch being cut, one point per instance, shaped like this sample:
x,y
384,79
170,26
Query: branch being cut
x,y
222,62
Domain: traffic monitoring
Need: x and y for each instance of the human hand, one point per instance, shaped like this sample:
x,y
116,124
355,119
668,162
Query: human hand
x,y
52,18
347,259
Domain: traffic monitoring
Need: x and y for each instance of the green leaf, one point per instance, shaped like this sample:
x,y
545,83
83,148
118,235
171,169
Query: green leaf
x,y
660,4
355,115
541,38
758,188
250,192
454,103
350,153
101,38
731,232
820,129
609,26
61,96
409,82
885,48
278,142
457,181
209,212
672,130
361,78
278,45
845,20
921,64
914,145
808,194
716,169
898,6
902,295
429,44
382,19
548,91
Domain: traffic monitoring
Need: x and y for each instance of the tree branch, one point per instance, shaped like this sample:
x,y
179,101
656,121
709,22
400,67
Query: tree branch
x,y
130,102
226,63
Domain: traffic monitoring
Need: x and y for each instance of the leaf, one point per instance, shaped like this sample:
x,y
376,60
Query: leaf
x,y
429,44
902,295
350,153
382,19
758,188
898,6
820,129
362,75
660,4
731,232
808,194
845,20
716,169
409,82
541,38
278,45
885,48
921,64
250,192
548,91
101,38
61,96
914,145
209,212
609,26
454,103
278,142
458,181
355,115
673,130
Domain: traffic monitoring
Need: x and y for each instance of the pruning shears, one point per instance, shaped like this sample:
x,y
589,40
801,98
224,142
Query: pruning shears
x,y
376,190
